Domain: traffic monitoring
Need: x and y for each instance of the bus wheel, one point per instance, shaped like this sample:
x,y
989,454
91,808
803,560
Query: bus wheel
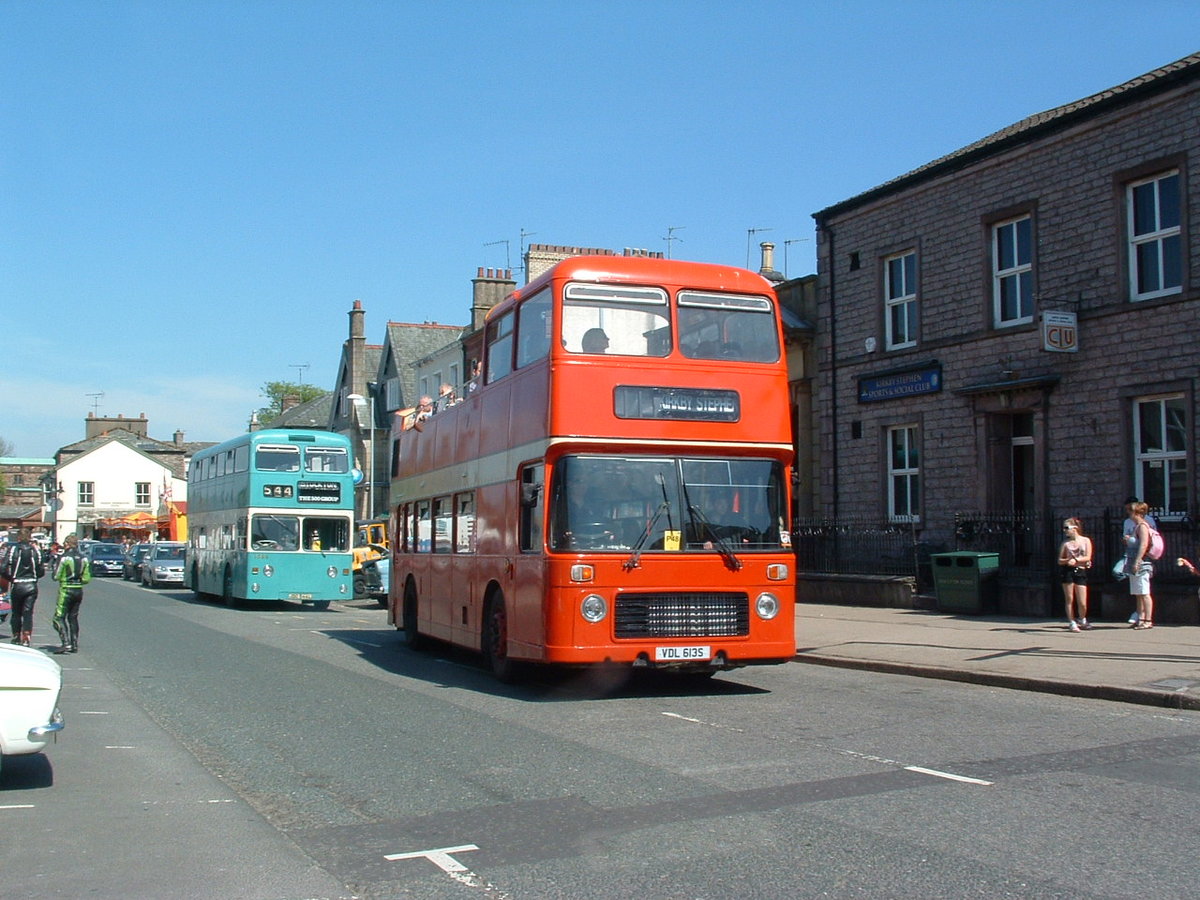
x,y
412,637
227,590
495,640
320,605
360,585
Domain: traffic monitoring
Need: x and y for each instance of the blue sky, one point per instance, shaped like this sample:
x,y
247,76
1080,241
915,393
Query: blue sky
x,y
193,194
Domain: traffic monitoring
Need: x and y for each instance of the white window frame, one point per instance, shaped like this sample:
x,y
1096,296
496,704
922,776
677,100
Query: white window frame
x,y
1019,273
900,299
141,493
907,474
1154,238
87,493
1156,464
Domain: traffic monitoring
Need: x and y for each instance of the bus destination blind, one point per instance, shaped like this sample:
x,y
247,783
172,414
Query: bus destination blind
x,y
693,404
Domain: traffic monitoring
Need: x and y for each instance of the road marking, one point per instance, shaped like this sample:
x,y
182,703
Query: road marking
x,y
949,775
19,806
920,770
120,747
452,867
92,712
672,715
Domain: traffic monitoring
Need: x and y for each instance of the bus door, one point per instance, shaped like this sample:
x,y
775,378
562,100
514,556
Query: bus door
x,y
465,602
528,595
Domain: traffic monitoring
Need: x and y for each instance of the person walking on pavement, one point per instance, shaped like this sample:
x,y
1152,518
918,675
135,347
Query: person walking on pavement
x,y
74,571
23,567
1074,560
1127,528
1138,567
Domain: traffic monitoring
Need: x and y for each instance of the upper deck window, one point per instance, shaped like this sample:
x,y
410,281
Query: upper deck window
x,y
618,320
727,326
329,460
277,458
499,347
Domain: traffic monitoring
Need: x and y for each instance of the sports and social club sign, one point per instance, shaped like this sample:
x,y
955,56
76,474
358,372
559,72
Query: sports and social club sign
x,y
1060,332
895,385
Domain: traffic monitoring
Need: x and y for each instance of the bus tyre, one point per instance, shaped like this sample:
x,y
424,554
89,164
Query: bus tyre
x,y
412,638
495,640
360,585
320,605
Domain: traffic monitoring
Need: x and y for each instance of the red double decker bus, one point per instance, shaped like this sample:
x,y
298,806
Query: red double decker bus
x,y
615,487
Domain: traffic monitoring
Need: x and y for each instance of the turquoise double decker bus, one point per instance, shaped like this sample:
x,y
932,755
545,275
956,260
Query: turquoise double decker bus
x,y
271,518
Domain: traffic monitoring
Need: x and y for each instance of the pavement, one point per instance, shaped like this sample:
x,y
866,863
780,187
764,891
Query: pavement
x,y
1159,666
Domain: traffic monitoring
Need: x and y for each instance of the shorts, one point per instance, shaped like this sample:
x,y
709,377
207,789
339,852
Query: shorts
x,y
1074,574
1139,582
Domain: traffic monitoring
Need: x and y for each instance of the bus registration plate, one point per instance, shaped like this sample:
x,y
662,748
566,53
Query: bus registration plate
x,y
681,654
294,596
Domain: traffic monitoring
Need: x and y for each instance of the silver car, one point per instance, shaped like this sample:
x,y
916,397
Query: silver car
x,y
164,564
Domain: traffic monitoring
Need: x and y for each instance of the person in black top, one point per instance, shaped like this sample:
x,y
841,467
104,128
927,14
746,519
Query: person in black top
x,y
23,567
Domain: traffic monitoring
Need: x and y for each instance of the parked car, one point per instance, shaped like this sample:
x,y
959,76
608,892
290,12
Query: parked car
x,y
164,564
107,559
30,682
137,554
375,575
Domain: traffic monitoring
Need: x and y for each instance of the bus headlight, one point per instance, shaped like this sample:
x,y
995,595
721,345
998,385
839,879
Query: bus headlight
x,y
331,571
268,571
767,606
593,608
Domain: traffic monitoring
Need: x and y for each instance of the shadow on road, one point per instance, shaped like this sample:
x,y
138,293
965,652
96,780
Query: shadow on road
x,y
450,666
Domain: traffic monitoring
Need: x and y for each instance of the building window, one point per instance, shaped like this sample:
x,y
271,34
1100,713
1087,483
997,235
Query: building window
x,y
904,474
900,299
1012,272
1155,244
1161,452
87,493
141,491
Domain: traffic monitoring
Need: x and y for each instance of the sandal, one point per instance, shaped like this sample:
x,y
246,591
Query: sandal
x,y
1143,625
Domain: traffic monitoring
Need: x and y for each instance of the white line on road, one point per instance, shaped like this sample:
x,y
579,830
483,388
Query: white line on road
x,y
671,715
452,867
949,775
920,770
19,806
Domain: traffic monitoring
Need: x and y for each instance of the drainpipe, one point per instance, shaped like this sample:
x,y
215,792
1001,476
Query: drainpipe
x,y
833,370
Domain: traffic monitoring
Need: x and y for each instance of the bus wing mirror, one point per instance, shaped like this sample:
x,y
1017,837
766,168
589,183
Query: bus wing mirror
x,y
530,494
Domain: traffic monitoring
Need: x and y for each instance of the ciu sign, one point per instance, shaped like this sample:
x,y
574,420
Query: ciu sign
x,y
1060,332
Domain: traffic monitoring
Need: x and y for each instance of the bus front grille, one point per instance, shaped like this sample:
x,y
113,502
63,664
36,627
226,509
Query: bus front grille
x,y
699,614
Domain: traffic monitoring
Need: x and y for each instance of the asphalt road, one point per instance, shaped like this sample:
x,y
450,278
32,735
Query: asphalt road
x,y
288,753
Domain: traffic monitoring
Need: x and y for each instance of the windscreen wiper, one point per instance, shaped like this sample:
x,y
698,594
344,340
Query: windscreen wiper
x,y
632,562
720,544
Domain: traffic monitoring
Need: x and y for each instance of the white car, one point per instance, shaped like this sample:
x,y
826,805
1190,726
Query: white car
x,y
30,682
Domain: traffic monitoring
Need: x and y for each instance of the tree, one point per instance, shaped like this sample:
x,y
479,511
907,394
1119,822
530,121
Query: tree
x,y
278,391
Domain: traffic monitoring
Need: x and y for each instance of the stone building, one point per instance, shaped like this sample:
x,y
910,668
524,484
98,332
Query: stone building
x,y
1010,330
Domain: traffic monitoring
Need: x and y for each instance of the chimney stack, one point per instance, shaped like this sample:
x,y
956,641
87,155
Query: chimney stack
x,y
489,287
768,270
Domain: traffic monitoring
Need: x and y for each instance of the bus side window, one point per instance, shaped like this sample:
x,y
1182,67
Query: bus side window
x,y
499,347
442,525
424,533
464,523
533,329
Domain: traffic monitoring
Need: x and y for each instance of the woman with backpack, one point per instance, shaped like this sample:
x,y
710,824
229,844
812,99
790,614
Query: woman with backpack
x,y
1138,566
